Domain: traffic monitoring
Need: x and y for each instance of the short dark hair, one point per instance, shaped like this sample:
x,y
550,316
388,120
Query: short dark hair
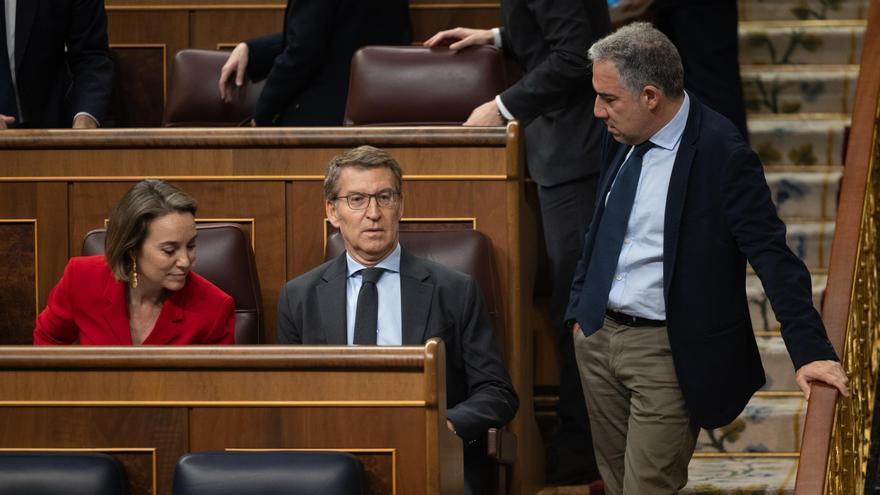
x,y
130,220
364,157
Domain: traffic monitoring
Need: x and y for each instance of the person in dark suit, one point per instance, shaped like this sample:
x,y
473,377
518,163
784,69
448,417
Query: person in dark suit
x,y
658,304
306,66
413,300
553,101
55,66
142,290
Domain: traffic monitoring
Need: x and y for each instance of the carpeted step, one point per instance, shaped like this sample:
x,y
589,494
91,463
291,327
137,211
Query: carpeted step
x,y
801,42
795,141
757,10
778,367
763,319
811,242
825,89
769,423
741,475
805,196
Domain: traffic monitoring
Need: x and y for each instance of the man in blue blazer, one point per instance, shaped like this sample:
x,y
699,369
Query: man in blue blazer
x,y
658,304
55,66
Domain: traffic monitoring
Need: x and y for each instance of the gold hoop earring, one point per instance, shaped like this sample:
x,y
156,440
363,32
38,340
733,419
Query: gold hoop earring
x,y
133,280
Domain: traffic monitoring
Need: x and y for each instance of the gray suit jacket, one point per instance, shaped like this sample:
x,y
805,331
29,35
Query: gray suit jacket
x,y
435,302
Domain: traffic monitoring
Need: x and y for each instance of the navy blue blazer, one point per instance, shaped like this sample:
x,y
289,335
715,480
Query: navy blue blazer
x,y
62,61
718,216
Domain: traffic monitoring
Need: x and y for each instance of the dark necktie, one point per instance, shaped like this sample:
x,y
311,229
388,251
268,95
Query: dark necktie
x,y
7,90
367,313
609,240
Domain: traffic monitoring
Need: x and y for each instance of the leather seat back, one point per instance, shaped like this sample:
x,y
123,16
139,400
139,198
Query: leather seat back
x,y
268,473
53,473
415,85
194,97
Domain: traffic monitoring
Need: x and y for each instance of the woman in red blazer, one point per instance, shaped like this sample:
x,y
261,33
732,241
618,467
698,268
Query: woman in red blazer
x,y
142,290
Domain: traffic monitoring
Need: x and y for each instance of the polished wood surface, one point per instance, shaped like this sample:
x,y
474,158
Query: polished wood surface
x,y
841,309
159,403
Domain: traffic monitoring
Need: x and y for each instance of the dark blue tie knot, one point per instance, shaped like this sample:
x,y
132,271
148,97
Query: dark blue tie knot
x,y
371,275
641,149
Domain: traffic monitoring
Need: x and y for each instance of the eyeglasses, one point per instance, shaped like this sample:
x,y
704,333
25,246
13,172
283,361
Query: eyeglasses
x,y
360,201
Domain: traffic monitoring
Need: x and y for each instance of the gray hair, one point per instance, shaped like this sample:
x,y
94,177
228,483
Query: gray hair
x,y
643,56
363,157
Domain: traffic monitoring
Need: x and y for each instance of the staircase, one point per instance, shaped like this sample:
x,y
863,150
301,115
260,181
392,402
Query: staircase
x,y
798,68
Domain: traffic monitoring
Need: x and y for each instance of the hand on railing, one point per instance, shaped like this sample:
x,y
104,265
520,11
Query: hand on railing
x,y
826,371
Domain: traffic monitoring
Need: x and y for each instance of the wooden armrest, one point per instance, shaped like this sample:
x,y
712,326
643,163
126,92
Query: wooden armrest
x,y
501,445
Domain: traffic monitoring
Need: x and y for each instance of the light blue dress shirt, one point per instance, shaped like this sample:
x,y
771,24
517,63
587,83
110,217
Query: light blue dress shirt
x,y
637,287
390,320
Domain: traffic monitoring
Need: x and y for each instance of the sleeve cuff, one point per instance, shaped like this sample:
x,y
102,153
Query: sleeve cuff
x,y
503,109
87,114
496,37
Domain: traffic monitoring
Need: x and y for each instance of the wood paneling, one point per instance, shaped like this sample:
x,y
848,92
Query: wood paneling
x,y
385,405
18,277
212,28
162,429
138,86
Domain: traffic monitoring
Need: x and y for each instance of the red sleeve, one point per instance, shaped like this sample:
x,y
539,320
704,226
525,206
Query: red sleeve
x,y
55,325
223,331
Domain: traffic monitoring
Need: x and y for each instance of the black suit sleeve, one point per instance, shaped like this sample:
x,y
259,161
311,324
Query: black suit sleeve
x,y
309,25
545,88
491,400
760,235
88,56
288,330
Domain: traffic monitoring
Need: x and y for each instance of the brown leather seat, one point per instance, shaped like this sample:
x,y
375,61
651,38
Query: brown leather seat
x,y
414,85
226,259
193,95
470,252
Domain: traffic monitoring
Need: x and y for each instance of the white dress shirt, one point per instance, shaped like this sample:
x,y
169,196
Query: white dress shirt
x,y
637,287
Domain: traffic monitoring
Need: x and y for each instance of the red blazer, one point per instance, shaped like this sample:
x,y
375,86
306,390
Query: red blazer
x,y
89,305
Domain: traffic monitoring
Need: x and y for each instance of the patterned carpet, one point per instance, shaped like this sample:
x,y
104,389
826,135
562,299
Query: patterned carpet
x,y
798,67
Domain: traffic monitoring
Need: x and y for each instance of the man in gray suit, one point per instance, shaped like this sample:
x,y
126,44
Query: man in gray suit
x,y
377,293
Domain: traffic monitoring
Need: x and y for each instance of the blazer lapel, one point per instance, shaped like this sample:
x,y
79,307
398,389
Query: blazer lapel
x,y
331,299
115,311
25,13
675,196
416,291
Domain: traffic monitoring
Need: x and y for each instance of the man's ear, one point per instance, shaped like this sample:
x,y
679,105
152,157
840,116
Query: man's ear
x,y
651,96
330,209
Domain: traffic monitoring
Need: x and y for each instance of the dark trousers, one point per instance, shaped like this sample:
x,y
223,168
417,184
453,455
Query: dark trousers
x,y
706,36
566,211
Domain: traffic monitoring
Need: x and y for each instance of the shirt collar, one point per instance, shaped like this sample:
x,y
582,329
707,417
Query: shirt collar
x,y
669,136
391,262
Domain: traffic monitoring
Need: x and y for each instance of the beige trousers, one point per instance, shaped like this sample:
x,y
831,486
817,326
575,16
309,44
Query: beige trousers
x,y
642,433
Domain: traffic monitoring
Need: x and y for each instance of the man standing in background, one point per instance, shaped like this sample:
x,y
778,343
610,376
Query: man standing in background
x,y
554,102
55,66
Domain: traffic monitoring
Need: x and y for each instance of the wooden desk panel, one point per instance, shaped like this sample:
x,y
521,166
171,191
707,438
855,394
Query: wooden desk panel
x,y
149,406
